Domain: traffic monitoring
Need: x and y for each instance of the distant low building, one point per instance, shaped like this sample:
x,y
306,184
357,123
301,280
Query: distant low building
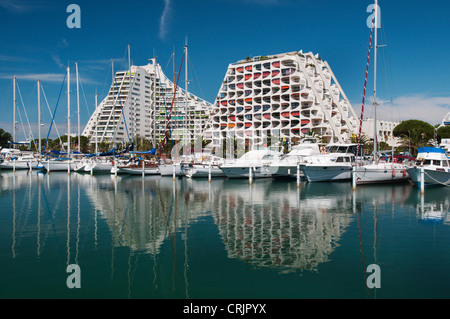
x,y
384,131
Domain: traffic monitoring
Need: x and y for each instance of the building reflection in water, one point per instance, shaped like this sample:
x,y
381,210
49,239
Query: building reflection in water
x,y
276,225
268,224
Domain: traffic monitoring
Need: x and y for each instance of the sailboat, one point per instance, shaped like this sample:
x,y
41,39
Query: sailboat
x,y
378,171
172,166
66,163
14,159
23,161
137,166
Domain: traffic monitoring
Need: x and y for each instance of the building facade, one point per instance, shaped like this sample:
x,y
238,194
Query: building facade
x,y
384,131
145,104
289,95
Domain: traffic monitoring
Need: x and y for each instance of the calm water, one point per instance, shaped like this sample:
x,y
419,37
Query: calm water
x,y
190,239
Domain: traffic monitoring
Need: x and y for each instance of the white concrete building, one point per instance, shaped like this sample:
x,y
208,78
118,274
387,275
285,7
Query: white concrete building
x,y
287,95
384,131
140,106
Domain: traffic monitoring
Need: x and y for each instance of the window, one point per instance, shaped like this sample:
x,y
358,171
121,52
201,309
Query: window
x,y
437,162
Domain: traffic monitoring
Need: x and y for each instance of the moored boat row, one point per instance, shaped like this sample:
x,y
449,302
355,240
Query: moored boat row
x,y
307,161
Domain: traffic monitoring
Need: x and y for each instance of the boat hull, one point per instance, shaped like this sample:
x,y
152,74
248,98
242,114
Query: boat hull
x,y
377,174
139,171
52,166
289,172
9,165
243,171
432,177
167,169
201,171
99,167
326,173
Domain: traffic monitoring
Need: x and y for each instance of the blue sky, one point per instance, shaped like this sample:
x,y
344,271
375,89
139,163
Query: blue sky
x,y
37,44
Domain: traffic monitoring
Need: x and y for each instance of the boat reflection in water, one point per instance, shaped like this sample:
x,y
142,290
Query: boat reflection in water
x,y
434,205
155,237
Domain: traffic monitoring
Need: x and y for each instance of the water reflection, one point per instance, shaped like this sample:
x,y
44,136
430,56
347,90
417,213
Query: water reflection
x,y
269,224
278,225
434,205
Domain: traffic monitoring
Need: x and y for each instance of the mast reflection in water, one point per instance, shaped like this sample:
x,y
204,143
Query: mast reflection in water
x,y
153,237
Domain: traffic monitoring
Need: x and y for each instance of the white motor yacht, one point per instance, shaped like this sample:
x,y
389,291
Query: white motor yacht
x,y
287,166
257,161
435,164
335,163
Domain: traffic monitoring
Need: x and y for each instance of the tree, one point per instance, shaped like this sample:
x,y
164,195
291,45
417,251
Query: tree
x,y
366,146
414,134
443,132
5,138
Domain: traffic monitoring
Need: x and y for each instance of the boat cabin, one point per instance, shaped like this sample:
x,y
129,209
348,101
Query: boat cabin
x,y
433,156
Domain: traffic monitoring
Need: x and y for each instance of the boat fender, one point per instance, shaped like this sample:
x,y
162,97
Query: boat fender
x,y
113,162
393,172
404,172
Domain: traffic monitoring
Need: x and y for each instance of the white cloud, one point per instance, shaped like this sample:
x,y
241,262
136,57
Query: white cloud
x,y
163,21
19,6
7,58
63,43
49,77
45,77
57,60
431,109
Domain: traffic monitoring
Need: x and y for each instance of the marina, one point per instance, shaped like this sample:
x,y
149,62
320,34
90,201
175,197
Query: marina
x,y
273,185
156,237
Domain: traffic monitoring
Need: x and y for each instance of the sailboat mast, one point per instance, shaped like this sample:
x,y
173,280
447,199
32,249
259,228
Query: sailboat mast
x,y
174,96
78,109
14,111
96,147
186,107
39,114
375,136
131,104
68,111
113,78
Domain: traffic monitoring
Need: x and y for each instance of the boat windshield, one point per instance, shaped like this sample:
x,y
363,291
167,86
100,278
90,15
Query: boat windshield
x,y
341,149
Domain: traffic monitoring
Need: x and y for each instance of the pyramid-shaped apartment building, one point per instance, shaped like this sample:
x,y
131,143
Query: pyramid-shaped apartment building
x,y
141,103
289,95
